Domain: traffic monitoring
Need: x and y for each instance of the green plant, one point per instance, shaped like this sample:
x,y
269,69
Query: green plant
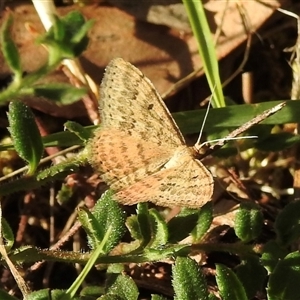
x,y
206,48
116,239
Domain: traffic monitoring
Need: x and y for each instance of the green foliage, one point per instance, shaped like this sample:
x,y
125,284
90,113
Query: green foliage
x,y
149,237
252,275
248,222
204,221
277,142
7,234
229,285
148,227
287,224
120,285
159,229
64,92
9,49
284,278
188,281
5,296
80,131
182,224
157,297
66,39
92,291
47,294
25,134
151,242
206,47
106,214
272,254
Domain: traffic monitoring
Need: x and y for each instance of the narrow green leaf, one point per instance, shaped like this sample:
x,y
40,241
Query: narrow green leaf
x,y
8,235
73,21
148,228
9,49
277,142
206,47
64,194
60,139
106,214
159,230
287,224
143,219
83,133
189,121
248,222
90,226
283,282
188,280
234,116
25,134
110,297
61,170
100,250
92,291
140,225
58,29
62,94
204,221
133,226
229,285
78,27
66,139
80,36
46,294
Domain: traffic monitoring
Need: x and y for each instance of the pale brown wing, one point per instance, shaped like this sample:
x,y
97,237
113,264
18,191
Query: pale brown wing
x,y
123,160
189,184
129,102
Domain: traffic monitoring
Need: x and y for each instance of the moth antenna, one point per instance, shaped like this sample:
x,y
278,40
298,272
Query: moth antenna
x,y
204,120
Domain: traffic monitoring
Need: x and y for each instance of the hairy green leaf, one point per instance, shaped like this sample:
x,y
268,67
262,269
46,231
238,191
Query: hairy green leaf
x,y
283,282
188,281
25,134
9,49
248,221
287,224
229,285
106,214
204,221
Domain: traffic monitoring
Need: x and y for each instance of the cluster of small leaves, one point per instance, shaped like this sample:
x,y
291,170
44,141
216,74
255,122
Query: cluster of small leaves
x,y
105,227
66,39
30,146
277,265
153,239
